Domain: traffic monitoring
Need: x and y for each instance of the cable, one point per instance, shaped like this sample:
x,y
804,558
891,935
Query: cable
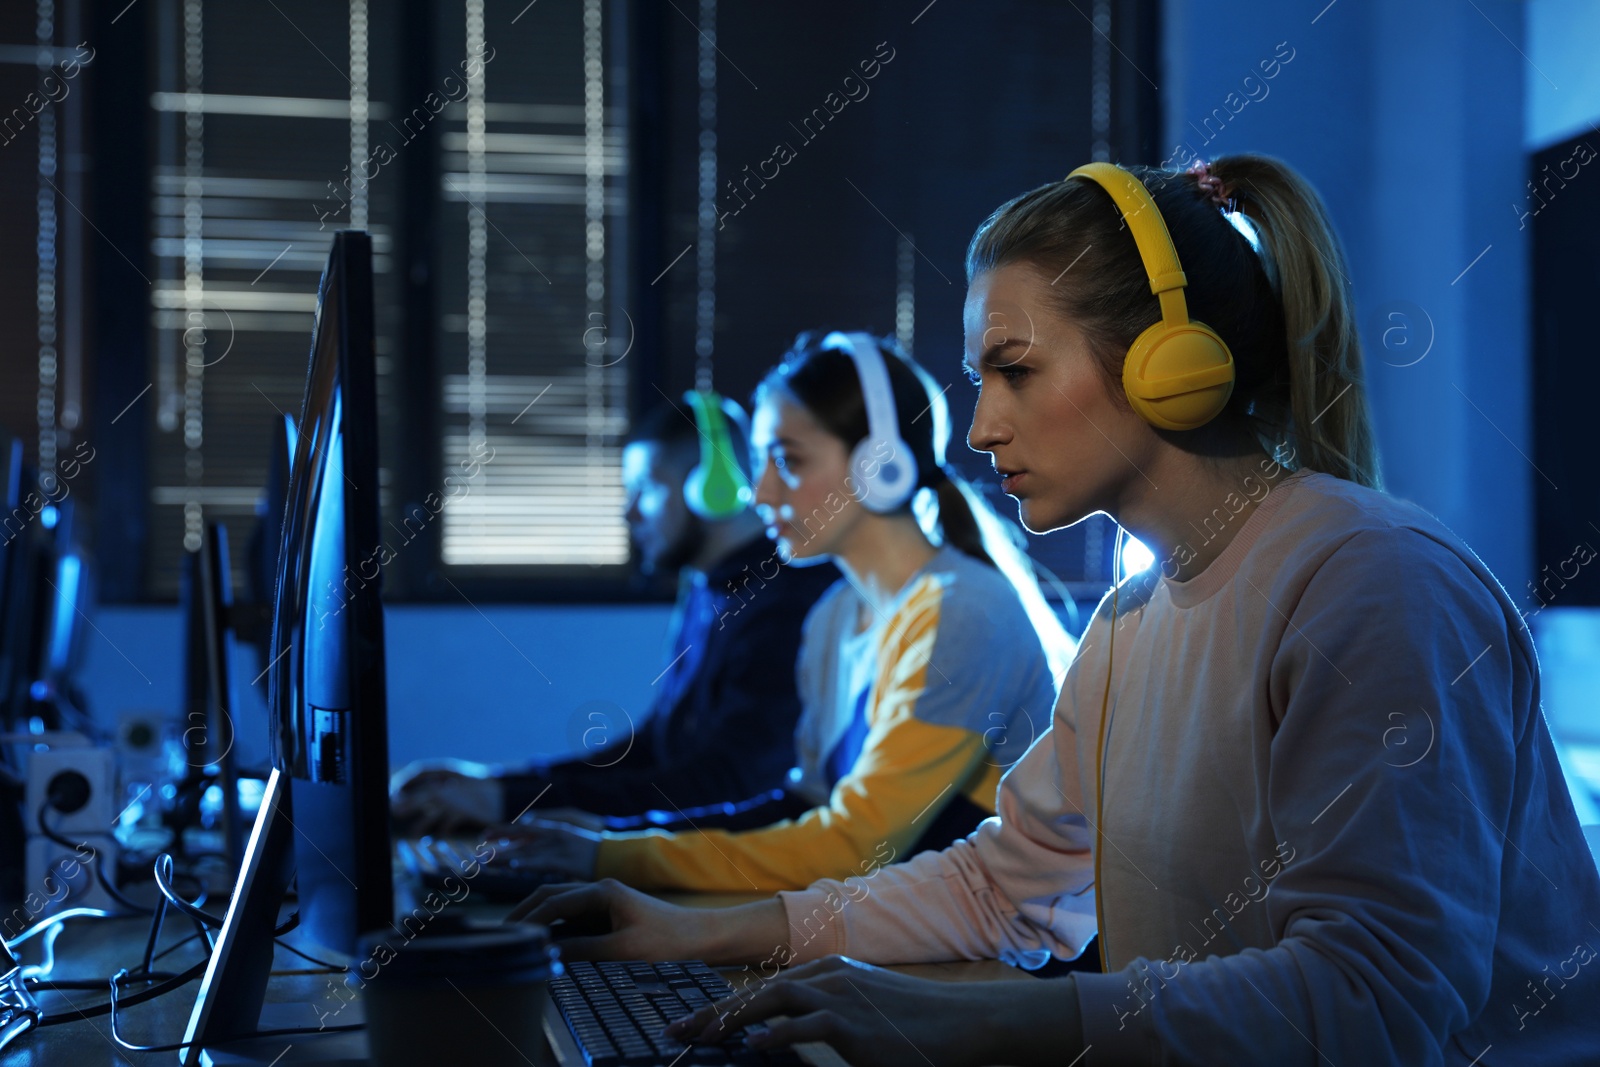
x,y
60,917
38,971
183,979
18,1013
175,946
155,935
204,921
99,867
116,1036
163,875
1100,759
163,872
328,968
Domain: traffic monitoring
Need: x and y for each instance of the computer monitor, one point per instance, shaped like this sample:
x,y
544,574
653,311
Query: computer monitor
x,y
325,807
253,616
63,647
216,745
26,550
13,523
247,620
45,602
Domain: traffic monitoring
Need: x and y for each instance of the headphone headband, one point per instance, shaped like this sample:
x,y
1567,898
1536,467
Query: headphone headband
x,y
1178,374
1144,221
884,469
883,420
717,487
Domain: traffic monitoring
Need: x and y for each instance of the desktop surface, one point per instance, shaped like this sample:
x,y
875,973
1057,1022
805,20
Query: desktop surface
x,y
95,948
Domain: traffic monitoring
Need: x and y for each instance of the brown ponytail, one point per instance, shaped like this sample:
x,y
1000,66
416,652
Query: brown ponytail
x,y
1300,382
957,520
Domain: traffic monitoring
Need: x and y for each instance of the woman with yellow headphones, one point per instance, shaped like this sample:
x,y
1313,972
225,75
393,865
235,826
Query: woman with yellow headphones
x,y
1298,778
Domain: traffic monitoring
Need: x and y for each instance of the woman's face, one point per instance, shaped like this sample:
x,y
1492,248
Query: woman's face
x,y
802,480
1044,414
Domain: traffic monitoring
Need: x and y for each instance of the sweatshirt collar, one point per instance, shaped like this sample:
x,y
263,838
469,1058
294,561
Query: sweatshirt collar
x,y
1225,567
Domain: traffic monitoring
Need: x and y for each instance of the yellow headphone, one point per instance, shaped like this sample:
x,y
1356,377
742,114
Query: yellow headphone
x,y
1178,374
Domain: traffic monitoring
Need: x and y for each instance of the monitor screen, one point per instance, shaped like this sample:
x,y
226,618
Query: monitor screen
x,y
326,691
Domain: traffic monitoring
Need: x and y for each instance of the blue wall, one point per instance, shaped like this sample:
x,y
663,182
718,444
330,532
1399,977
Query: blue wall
x,y
1562,76
1408,118
506,683
1415,122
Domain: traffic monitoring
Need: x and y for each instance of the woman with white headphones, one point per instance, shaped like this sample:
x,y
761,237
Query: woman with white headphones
x,y
923,673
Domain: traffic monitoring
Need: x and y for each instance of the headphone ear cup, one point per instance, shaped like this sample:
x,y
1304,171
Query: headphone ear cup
x,y
716,488
1178,377
716,491
694,490
885,473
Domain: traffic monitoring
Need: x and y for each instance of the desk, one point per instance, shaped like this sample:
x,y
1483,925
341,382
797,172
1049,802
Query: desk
x,y
94,948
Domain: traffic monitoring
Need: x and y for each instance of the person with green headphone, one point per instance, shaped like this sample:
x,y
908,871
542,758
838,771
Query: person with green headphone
x,y
721,727
1298,779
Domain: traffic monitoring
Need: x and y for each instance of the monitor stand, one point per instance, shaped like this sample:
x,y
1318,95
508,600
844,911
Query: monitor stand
x,y
233,991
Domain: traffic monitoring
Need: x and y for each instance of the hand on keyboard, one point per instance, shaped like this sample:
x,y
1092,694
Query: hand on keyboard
x,y
642,927
871,1015
559,846
616,1011
444,797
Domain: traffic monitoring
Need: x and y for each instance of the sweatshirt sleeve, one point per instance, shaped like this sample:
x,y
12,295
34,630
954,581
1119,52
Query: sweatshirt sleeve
x,y
1018,889
874,813
1385,920
921,750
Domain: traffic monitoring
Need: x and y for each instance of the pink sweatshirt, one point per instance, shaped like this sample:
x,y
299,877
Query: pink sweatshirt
x,y
1335,827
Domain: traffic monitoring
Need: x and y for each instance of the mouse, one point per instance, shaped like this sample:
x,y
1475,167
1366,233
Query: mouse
x,y
591,925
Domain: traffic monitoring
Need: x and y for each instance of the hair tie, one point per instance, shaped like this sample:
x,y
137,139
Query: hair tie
x,y
1213,186
1221,194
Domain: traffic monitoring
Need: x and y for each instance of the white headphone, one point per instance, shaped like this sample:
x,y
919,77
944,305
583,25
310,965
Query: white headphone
x,y
882,466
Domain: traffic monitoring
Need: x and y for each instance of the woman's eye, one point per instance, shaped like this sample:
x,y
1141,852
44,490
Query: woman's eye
x,y
1013,373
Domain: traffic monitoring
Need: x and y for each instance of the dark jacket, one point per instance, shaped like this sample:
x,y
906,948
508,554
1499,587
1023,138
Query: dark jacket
x,y
721,728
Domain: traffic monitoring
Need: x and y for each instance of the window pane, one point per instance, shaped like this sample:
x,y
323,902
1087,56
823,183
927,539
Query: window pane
x,y
532,338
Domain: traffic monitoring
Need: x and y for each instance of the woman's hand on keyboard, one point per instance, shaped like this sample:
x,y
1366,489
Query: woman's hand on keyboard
x,y
445,797
871,1015
646,928
554,846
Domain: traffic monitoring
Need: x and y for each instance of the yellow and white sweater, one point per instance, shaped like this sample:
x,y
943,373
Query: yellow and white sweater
x,y
905,730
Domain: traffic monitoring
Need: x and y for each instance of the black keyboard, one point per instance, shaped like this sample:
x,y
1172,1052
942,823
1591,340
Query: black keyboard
x,y
443,864
616,1012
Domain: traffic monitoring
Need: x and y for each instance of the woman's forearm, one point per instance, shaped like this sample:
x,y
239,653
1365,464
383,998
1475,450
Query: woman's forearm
x,y
748,933
1037,1022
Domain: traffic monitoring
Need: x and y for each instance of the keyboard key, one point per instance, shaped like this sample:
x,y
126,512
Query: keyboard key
x,y
617,1011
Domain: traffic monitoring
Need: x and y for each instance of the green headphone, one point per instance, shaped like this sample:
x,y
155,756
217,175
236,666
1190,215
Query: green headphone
x,y
717,487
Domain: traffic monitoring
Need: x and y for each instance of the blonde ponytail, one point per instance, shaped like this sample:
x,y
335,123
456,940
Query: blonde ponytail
x,y
1328,422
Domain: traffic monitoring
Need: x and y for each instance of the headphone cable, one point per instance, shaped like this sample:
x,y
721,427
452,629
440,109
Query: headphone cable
x,y
1100,756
